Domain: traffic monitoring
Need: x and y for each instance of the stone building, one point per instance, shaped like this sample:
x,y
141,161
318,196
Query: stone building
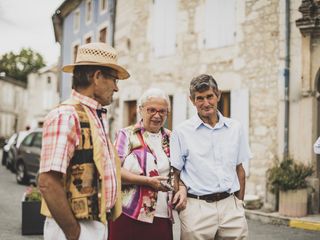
x,y
12,106
264,55
43,94
77,22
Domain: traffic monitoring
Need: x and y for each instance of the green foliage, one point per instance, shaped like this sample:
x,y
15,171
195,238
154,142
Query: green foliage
x,y
32,194
288,175
18,66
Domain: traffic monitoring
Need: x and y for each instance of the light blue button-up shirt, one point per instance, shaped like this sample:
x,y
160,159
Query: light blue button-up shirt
x,y
207,156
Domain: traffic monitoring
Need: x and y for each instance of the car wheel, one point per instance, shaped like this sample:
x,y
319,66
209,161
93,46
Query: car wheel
x,y
4,158
11,163
21,174
8,163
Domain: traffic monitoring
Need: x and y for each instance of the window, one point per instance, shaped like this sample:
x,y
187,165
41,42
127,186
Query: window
x,y
27,141
131,111
224,104
168,123
88,11
76,20
164,27
75,51
219,23
103,35
49,80
103,6
37,140
88,40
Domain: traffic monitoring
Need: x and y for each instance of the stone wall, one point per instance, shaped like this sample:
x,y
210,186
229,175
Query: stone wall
x,y
255,62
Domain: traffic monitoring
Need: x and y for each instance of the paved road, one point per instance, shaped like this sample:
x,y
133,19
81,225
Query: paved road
x,y
10,206
10,220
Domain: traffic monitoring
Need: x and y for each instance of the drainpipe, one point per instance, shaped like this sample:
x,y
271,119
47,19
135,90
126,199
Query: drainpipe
x,y
113,20
286,80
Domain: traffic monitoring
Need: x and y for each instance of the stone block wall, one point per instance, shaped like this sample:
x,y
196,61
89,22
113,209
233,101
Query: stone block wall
x,y
254,62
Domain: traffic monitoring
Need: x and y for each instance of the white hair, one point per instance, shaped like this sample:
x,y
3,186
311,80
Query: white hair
x,y
153,93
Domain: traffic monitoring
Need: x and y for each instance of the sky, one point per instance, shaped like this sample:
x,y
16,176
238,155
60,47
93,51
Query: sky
x,y
28,24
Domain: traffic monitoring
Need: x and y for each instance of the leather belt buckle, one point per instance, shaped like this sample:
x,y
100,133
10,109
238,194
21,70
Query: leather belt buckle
x,y
208,200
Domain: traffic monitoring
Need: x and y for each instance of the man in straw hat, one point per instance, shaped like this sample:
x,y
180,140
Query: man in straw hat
x,y
79,169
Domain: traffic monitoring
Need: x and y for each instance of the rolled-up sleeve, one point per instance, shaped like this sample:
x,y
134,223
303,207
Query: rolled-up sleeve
x,y
176,151
122,144
316,146
61,132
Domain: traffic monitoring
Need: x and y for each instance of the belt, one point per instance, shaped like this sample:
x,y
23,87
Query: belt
x,y
214,197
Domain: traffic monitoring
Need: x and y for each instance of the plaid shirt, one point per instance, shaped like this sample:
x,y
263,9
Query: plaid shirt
x,y
61,134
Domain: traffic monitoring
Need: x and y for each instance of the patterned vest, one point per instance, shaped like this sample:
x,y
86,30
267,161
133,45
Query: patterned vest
x,y
83,184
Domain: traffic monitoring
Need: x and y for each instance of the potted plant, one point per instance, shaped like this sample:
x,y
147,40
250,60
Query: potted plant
x,y
289,180
32,220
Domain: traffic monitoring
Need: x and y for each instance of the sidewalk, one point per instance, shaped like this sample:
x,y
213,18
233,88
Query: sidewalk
x,y
310,222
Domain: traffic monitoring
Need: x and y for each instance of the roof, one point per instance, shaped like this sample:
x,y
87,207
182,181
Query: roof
x,y
61,12
13,81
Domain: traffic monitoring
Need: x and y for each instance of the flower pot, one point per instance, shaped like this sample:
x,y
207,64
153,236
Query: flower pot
x,y
32,220
293,203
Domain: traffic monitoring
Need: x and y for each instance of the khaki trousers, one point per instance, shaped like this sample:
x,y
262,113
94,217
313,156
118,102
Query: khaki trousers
x,y
89,230
224,219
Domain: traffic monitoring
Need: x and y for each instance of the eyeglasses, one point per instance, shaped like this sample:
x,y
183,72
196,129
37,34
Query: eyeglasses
x,y
153,111
111,77
116,81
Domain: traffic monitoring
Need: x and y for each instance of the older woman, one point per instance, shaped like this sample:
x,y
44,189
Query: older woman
x,y
144,152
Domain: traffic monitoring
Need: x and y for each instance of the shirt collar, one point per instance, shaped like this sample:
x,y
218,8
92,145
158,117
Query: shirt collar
x,y
197,122
91,103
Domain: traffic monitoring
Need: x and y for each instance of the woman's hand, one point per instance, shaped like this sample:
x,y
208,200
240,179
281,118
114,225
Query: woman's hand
x,y
155,183
180,198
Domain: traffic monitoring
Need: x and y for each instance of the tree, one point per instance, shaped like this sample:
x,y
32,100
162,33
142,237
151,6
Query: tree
x,y
18,66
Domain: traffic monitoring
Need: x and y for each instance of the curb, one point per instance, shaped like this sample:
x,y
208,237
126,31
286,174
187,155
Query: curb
x,y
307,225
275,218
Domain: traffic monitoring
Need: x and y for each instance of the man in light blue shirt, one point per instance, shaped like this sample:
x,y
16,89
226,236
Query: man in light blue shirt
x,y
207,152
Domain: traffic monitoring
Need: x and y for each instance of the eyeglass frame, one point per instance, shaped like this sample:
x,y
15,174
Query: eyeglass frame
x,y
109,75
157,111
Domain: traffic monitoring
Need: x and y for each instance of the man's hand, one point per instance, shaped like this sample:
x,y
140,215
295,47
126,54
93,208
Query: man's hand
x,y
53,192
180,198
242,180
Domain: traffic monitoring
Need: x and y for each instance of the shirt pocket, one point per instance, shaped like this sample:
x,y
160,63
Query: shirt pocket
x,y
229,154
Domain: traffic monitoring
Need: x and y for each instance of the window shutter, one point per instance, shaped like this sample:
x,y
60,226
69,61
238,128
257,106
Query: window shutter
x,y
219,23
229,23
179,108
240,112
170,27
164,27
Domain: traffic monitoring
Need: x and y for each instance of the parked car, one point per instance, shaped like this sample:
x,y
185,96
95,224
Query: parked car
x,y
28,157
6,147
10,149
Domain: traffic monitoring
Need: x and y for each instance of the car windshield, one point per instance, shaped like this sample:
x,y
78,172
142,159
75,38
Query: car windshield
x,y
21,137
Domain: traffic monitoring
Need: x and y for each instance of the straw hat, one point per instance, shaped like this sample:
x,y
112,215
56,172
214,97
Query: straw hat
x,y
98,54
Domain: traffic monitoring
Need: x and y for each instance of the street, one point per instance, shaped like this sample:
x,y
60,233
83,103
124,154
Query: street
x,y
10,221
10,206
